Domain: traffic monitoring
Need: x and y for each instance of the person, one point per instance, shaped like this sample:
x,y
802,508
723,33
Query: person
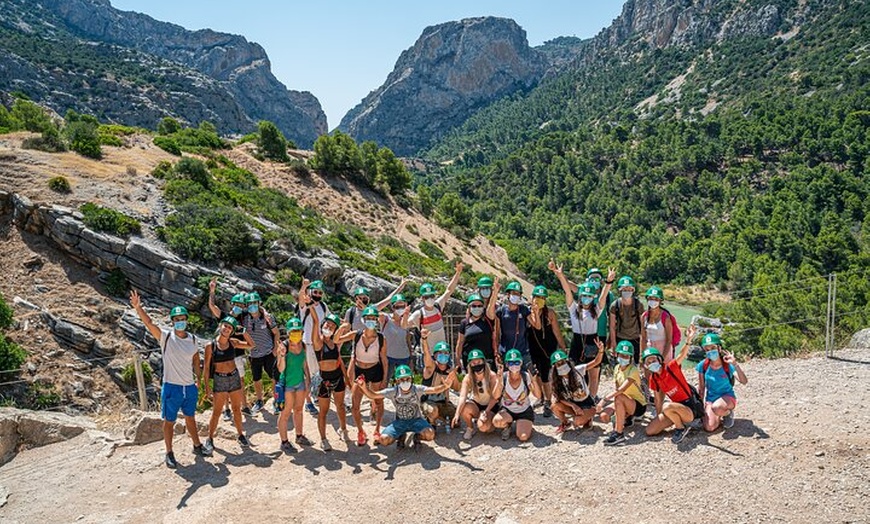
x,y
310,299
406,398
514,390
628,399
436,370
181,373
295,379
220,355
477,331
574,404
362,297
602,289
333,375
398,348
625,317
368,359
513,322
677,403
263,330
658,325
238,308
716,383
475,393
544,342
484,289
429,316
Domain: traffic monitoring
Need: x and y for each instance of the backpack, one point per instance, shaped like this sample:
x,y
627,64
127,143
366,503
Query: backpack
x,y
523,374
638,309
358,336
725,366
676,334
696,405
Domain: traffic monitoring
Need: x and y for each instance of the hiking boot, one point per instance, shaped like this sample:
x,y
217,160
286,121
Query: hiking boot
x,y
680,434
400,442
247,411
325,445
695,424
506,433
563,428
170,460
243,441
548,412
311,409
302,440
469,432
652,411
258,405
276,409
287,447
614,439
728,420
228,415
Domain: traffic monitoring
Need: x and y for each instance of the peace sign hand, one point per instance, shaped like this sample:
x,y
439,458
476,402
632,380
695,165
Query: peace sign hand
x,y
611,274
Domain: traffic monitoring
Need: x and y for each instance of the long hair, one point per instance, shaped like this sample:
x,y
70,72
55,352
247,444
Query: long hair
x,y
593,308
482,387
562,391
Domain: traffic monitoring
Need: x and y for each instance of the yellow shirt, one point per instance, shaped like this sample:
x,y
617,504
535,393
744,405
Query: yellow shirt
x,y
629,373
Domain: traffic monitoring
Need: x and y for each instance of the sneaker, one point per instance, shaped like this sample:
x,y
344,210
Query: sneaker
x,y
207,447
562,428
228,415
243,441
400,442
325,445
276,410
615,438
695,424
246,411
360,438
506,433
302,440
652,411
728,420
548,412
287,447
345,436
680,434
469,432
311,409
258,405
170,460
376,437
629,421
416,441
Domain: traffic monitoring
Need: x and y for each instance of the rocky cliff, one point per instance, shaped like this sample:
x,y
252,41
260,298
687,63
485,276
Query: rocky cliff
x,y
452,70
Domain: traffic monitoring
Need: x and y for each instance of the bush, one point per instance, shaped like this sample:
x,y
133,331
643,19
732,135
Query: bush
x,y
117,284
168,126
12,356
162,170
288,278
49,141
108,220
209,233
193,169
168,144
431,250
282,306
59,184
129,373
31,116
6,315
83,139
42,396
271,142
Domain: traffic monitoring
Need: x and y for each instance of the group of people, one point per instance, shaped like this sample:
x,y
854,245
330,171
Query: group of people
x,y
505,355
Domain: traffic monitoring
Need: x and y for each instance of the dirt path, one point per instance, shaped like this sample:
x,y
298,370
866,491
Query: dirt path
x,y
795,454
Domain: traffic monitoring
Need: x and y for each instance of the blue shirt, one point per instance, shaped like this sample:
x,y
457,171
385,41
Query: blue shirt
x,y
716,382
513,328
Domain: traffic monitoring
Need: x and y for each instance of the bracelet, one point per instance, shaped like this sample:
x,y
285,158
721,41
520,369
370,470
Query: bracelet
x,y
608,282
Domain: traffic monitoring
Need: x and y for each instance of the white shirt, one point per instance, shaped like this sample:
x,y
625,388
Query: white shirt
x,y
582,321
178,358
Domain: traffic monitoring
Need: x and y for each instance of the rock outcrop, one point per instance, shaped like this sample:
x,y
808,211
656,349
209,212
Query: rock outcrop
x,y
451,71
31,429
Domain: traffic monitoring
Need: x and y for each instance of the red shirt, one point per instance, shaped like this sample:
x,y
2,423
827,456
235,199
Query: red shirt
x,y
671,382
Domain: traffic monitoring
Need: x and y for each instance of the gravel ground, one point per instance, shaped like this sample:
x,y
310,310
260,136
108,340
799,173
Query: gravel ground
x,y
799,452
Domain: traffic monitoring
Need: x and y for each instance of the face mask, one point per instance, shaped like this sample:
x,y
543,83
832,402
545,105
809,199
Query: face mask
x,y
317,298
236,311
586,301
515,368
713,354
371,324
326,332
485,292
253,308
442,358
655,367
400,311
540,302
430,302
515,299
478,368
405,385
476,311
563,369
181,325
626,294
623,361
295,337
653,304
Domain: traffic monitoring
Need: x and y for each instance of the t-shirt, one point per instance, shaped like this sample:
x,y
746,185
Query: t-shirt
x,y
513,328
396,338
178,358
478,335
432,320
308,321
261,331
716,382
358,323
603,326
582,320
676,389
629,327
582,392
629,373
407,404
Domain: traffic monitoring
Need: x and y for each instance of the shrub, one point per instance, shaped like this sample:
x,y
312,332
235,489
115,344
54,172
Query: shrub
x,y
81,131
6,315
49,141
31,116
168,126
59,184
168,144
209,233
104,219
431,250
300,167
288,278
193,169
117,284
162,170
271,142
12,355
42,396
129,373
282,306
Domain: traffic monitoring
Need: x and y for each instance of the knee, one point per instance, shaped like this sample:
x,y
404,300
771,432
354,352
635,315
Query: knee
x,y
427,434
523,436
386,440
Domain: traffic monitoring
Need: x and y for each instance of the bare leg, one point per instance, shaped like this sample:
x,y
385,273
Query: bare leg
x,y
258,390
284,417
524,430
427,434
168,432
469,412
237,399
190,423
323,409
355,408
340,410
594,379
299,404
220,400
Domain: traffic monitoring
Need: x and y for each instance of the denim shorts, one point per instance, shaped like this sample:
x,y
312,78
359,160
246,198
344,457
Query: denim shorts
x,y
400,427
296,387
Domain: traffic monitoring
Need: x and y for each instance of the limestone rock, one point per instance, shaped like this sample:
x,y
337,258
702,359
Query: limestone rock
x,y
68,334
148,428
8,433
861,339
353,279
40,428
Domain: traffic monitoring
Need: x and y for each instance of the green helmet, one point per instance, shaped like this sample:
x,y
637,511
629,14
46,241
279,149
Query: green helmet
x,y
370,311
239,298
178,311
625,281
398,297
540,291
361,291
513,286
231,321
332,317
253,297
402,371
650,352
474,297
594,271
655,292
625,348
294,324
513,355
441,347
484,282
317,284
427,289
476,354
711,339
586,289
557,356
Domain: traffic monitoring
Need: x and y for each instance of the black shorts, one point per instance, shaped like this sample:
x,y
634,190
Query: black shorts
x,y
586,403
373,375
333,382
542,362
227,382
583,348
482,407
528,414
639,409
261,364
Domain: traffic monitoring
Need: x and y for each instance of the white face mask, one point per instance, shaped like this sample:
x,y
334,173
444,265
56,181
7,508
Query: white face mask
x,y
485,292
655,367
653,303
626,294
623,361
326,332
430,302
476,311
515,299
563,369
400,311
405,386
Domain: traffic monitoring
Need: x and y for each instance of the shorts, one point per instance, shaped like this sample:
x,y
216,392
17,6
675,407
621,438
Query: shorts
x,y
260,364
583,348
174,397
726,398
586,403
295,387
482,407
333,382
446,410
639,409
227,382
373,375
399,427
542,362
393,363
528,414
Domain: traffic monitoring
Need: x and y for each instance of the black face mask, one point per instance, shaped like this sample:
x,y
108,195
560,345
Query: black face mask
x,y
317,298
478,368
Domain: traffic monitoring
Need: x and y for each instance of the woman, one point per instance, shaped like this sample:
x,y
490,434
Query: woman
x,y
221,353
332,373
238,308
475,393
544,341
677,403
628,400
436,371
716,383
296,379
514,390
574,405
398,349
657,325
585,313
477,331
368,359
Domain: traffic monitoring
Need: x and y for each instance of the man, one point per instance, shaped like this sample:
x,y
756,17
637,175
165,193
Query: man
x,y
514,317
181,373
263,329
430,315
361,299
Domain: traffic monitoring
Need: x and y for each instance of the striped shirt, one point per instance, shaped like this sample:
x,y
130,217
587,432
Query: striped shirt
x,y
261,332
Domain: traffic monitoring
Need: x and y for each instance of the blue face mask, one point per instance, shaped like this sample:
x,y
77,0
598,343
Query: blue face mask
x,y
180,325
476,311
585,300
442,358
236,311
253,308
713,354
371,324
655,367
623,361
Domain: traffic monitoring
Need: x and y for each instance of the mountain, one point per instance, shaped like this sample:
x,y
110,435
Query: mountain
x,y
452,70
129,68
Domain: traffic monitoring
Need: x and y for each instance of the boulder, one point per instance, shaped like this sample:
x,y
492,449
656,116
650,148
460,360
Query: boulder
x,y
148,428
40,428
148,254
352,279
8,433
861,339
108,243
327,267
68,334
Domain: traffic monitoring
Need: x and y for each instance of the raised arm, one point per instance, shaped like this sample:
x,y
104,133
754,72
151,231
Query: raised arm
x,y
428,361
729,360
316,339
152,328
344,334
690,336
451,287
215,311
605,291
534,316
597,360
207,369
366,391
566,287
491,304
386,301
444,386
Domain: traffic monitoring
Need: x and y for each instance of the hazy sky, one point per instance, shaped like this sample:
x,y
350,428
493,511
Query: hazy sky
x,y
342,50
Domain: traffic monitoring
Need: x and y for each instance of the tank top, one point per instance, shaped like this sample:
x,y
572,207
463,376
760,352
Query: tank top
x,y
397,340
222,355
294,368
515,400
370,354
655,331
434,381
327,353
543,339
479,393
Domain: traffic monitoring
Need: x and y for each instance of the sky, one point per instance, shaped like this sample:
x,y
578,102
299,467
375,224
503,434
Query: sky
x,y
342,50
